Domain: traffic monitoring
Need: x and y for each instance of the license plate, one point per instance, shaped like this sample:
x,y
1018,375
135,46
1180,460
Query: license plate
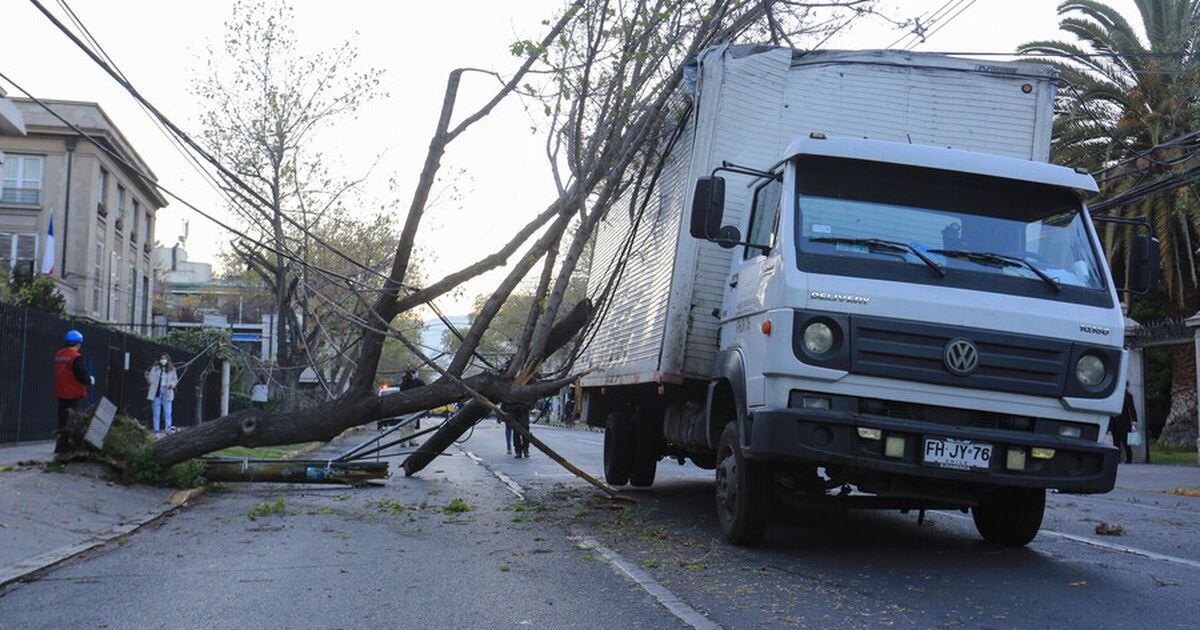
x,y
958,454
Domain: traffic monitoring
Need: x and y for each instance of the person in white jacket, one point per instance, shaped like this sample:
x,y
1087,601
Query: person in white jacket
x,y
162,380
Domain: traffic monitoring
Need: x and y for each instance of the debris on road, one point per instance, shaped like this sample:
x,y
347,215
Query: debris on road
x,y
293,471
1107,529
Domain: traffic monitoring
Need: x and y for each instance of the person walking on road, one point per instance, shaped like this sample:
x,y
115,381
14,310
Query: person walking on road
x,y
519,413
162,380
260,392
71,380
1120,426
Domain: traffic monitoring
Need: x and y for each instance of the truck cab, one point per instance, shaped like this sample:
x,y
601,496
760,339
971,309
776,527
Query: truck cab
x,y
918,322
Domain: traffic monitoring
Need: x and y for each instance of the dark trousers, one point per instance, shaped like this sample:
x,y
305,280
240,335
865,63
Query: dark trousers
x,y
65,405
520,444
1121,441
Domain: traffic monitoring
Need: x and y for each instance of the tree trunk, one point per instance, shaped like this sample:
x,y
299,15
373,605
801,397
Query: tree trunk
x,y
1180,431
560,334
256,427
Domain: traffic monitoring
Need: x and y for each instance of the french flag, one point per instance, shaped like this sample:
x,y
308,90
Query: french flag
x,y
48,252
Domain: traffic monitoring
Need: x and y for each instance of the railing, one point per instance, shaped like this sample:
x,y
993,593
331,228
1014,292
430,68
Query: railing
x,y
23,196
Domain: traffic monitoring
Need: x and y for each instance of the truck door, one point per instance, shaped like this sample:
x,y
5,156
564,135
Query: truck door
x,y
749,276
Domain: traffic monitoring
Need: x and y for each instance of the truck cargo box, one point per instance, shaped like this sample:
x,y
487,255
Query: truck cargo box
x,y
749,103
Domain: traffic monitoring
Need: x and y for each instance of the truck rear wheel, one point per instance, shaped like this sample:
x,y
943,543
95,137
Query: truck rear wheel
x,y
1010,516
618,448
743,490
647,447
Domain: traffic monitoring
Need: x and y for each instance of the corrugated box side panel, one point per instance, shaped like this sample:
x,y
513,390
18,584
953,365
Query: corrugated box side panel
x,y
972,111
629,340
747,131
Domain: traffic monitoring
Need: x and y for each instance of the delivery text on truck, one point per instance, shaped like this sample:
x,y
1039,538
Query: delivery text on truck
x,y
861,272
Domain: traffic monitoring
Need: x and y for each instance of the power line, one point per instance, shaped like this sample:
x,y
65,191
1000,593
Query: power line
x,y
942,25
125,83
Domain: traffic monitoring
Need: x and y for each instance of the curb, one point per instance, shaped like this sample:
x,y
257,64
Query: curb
x,y
23,570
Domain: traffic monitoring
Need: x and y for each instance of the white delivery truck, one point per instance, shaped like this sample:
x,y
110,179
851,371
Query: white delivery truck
x,y
858,270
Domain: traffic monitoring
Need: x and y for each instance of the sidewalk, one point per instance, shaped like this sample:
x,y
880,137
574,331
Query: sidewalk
x,y
47,517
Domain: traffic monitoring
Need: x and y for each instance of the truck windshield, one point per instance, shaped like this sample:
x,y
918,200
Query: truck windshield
x,y
976,225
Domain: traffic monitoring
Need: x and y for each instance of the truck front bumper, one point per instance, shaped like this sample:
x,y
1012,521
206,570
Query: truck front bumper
x,y
832,438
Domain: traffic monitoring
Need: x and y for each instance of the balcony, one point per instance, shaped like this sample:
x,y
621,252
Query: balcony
x,y
21,196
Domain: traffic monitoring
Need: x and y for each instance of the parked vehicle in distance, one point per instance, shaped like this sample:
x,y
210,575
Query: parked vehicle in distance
x,y
881,284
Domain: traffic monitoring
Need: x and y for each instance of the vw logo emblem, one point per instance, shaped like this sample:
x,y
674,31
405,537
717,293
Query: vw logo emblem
x,y
961,357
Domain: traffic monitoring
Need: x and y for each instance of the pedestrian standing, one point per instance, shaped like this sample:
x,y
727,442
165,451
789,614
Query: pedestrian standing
x,y
519,414
71,380
162,380
260,392
1121,424
412,380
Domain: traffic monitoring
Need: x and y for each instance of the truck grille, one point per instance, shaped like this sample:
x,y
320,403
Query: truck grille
x,y
944,415
915,352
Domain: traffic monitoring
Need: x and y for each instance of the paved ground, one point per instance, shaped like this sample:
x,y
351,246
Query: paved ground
x,y
44,515
394,556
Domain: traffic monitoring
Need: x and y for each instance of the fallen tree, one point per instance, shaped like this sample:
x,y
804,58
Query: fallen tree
x,y
611,78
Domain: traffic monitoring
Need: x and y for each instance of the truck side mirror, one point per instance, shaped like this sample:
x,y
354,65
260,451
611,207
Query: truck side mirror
x,y
708,207
1144,262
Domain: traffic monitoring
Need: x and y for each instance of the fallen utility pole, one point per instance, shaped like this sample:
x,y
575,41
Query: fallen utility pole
x,y
293,470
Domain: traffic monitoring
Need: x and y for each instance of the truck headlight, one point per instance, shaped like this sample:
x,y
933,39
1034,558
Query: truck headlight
x,y
818,338
1090,370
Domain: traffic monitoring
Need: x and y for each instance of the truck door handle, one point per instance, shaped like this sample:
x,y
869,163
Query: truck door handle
x,y
733,284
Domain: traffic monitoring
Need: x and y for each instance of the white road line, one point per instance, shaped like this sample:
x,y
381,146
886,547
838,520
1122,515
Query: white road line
x,y
512,486
1084,540
669,600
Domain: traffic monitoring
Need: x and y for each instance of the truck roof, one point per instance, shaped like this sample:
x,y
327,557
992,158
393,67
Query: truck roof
x,y
941,159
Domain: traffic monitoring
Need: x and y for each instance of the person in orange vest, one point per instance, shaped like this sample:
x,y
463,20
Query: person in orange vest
x,y
71,380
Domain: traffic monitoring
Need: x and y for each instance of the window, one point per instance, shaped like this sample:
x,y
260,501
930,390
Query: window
x,y
18,251
137,215
102,193
149,232
98,279
764,217
132,295
120,208
22,179
114,288
145,300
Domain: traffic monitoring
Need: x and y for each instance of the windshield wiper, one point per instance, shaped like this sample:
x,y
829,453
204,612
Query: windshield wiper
x,y
877,243
1003,260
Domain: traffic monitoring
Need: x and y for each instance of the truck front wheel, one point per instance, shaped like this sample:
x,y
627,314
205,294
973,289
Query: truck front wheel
x,y
1010,516
743,489
618,448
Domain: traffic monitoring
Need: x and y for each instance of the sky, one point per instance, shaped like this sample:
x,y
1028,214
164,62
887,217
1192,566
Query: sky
x,y
499,165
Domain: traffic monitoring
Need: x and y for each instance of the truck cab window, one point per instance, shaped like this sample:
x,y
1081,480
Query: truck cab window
x,y
764,216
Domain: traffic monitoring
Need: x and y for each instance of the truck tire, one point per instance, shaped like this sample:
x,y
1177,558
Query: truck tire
x,y
618,448
743,491
1010,516
647,447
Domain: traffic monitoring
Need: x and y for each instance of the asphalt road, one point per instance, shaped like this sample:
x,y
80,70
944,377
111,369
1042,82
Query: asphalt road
x,y
396,557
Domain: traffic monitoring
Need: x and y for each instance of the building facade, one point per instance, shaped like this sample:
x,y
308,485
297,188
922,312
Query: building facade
x,y
103,210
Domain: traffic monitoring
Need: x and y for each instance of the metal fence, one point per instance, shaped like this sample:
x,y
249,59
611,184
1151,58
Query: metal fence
x,y
28,340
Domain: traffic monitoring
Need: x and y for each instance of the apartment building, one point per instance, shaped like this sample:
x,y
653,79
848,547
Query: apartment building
x,y
103,210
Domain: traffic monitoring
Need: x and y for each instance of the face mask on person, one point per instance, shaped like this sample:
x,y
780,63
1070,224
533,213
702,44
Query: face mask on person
x,y
162,362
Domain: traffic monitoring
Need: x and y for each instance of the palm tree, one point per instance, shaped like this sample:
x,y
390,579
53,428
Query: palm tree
x,y
1127,110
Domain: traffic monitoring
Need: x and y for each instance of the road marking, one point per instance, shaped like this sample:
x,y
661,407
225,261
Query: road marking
x,y
1084,540
669,600
512,486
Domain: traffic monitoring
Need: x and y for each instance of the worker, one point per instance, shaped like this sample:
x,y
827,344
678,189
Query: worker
x,y
71,380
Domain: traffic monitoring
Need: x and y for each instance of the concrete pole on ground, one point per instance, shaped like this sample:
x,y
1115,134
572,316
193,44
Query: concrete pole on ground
x,y
1193,323
1136,379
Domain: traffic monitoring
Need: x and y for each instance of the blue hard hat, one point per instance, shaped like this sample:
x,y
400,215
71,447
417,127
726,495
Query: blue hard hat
x,y
74,336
